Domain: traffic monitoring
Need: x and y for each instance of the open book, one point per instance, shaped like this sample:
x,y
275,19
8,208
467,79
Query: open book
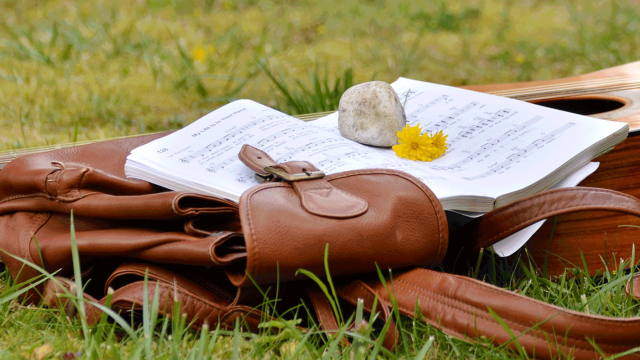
x,y
499,149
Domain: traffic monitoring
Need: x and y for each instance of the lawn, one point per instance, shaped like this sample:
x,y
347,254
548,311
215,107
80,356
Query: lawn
x,y
86,70
113,68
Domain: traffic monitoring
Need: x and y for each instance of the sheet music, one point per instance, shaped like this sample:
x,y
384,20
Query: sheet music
x,y
496,145
207,150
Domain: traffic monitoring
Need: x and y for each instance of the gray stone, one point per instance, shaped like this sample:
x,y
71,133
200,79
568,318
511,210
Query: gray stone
x,y
371,113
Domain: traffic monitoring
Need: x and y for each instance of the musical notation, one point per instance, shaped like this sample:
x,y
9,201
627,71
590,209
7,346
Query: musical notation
x,y
452,118
490,145
414,116
407,96
235,133
277,135
483,123
221,165
291,153
522,152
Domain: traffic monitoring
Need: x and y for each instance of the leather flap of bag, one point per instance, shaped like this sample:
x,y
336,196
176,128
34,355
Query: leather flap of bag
x,y
404,225
317,196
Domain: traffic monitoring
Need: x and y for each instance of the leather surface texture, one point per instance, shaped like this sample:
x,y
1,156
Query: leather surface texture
x,y
346,213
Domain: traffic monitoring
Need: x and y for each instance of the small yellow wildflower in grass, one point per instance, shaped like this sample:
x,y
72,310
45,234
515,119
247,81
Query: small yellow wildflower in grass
x,y
414,146
199,54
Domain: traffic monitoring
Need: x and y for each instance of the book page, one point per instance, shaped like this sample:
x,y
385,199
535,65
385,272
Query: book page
x,y
496,145
203,156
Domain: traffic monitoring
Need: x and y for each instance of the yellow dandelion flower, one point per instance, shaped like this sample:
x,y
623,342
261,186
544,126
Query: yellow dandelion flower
x,y
199,54
440,143
414,146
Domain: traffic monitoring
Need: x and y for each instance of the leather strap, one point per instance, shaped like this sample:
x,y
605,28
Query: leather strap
x,y
467,308
359,291
255,159
462,307
352,293
504,221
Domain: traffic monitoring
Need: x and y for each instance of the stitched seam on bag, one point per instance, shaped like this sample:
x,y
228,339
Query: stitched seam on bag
x,y
614,207
440,325
432,294
252,233
39,219
169,290
22,196
581,342
331,318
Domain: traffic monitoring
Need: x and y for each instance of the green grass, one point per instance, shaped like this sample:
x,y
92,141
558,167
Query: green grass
x,y
42,333
90,70
73,71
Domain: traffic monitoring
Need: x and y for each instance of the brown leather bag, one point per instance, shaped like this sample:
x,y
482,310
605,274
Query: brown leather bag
x,y
210,254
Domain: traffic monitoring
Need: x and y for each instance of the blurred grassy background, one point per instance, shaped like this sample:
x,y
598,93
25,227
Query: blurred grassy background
x,y
95,69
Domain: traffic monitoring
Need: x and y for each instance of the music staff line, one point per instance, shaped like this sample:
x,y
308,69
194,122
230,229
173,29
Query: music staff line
x,y
485,122
236,133
279,134
287,156
538,143
422,108
488,146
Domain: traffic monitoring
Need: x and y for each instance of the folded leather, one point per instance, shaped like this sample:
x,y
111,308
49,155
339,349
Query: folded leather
x,y
125,289
113,216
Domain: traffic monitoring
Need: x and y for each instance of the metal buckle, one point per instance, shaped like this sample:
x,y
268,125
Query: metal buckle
x,y
306,175
264,177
